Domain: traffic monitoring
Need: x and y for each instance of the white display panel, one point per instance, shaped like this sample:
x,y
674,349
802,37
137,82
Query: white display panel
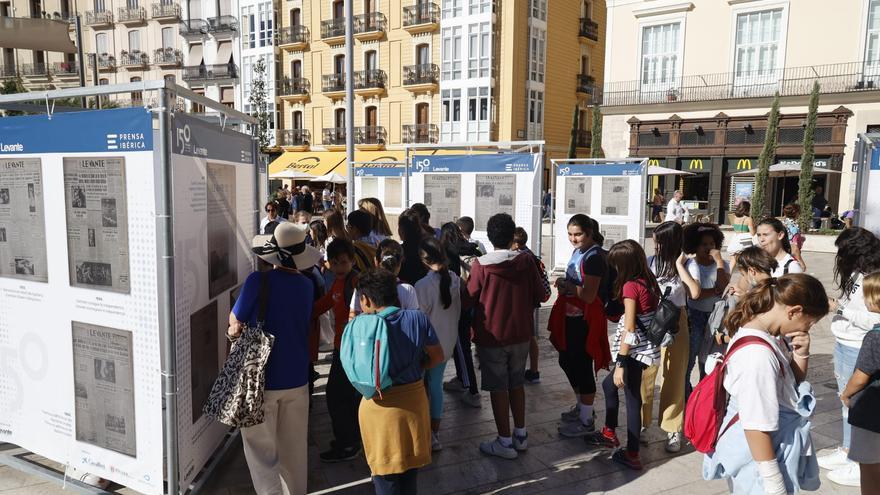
x,y
870,214
384,181
612,193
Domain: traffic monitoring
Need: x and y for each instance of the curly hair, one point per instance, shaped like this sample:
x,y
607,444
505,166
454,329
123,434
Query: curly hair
x,y
693,233
858,251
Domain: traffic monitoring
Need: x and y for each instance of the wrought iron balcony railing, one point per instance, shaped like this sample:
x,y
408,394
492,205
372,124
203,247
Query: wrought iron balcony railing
x,y
369,23
161,10
333,28
134,59
294,137
586,84
790,81
106,61
369,135
193,27
35,70
421,74
8,71
293,86
369,79
206,73
223,24
98,17
331,83
293,34
131,14
589,29
420,133
167,56
334,136
65,69
421,13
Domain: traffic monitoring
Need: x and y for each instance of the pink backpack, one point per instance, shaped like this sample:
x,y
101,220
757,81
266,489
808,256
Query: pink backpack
x,y
707,404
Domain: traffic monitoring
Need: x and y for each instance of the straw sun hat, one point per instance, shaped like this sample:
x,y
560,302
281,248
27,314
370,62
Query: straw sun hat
x,y
286,247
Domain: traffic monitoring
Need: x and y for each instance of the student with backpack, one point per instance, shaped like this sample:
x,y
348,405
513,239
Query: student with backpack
x,y
385,352
577,325
760,441
390,256
520,241
439,294
773,238
342,398
632,351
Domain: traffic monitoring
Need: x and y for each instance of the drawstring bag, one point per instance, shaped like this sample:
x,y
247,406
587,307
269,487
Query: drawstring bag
x,y
236,399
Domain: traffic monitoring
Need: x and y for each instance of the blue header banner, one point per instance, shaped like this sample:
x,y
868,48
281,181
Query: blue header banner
x,y
599,169
510,162
195,137
378,170
117,130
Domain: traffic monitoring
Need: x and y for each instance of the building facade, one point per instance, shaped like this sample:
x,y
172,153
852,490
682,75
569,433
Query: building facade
x,y
211,33
258,41
689,85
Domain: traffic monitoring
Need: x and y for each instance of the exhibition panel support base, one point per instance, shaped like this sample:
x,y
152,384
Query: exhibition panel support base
x,y
114,306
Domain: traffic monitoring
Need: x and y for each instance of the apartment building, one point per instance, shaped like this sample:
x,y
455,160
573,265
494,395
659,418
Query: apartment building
x,y
689,86
258,41
210,32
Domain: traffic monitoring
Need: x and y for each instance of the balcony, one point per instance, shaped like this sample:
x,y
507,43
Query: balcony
x,y
193,29
168,57
369,82
368,27
295,139
589,29
134,60
63,70
204,74
131,16
106,62
851,77
334,137
586,85
333,31
224,26
420,133
35,71
295,89
584,138
369,137
99,18
421,78
293,38
333,85
421,18
8,71
166,11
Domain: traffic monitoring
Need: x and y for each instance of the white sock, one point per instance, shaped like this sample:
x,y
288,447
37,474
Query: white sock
x,y
586,413
520,432
505,441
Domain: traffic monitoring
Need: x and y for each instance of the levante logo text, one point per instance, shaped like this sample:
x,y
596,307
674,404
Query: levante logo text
x,y
16,147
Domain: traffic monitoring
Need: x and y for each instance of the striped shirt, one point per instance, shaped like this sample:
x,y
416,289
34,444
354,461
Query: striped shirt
x,y
643,351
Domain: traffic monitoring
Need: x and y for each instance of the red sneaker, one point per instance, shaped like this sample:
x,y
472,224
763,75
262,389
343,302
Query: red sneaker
x,y
605,438
628,459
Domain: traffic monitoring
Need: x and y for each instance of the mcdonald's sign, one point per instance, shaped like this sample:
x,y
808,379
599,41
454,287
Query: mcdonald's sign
x,y
696,164
653,162
744,164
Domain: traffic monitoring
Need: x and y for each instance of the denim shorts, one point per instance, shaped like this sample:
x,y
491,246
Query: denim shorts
x,y
503,368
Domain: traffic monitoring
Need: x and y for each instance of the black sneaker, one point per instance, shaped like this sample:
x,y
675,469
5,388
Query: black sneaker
x,y
340,455
533,377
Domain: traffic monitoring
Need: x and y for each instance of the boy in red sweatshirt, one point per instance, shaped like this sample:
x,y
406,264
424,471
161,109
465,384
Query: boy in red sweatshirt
x,y
506,287
342,399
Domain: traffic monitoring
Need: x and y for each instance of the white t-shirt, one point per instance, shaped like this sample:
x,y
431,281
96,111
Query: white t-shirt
x,y
793,266
678,294
265,221
325,195
676,211
856,321
405,292
444,321
706,276
754,381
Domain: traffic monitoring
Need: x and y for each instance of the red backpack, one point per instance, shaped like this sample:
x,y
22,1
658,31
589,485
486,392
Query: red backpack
x,y
707,405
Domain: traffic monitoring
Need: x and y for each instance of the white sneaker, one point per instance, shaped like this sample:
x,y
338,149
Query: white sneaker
x,y
521,444
643,435
574,430
572,415
848,475
472,400
673,442
494,447
836,459
436,446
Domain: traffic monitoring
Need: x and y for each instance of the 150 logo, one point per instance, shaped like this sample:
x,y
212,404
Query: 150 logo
x,y
423,165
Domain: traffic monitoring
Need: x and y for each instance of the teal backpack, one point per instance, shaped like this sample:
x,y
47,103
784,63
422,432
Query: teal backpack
x,y
364,353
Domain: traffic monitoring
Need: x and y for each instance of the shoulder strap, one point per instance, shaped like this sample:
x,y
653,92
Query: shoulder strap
x,y
390,310
263,298
785,267
751,339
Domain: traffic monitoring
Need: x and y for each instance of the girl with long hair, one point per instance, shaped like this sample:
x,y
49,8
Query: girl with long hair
x,y
754,266
411,232
858,255
318,231
767,361
335,222
439,294
637,287
773,238
389,255
374,207
578,313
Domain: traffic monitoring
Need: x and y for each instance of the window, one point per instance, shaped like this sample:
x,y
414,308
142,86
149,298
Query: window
x,y
370,60
479,6
536,114
169,78
339,65
452,8
478,114
478,50
296,69
266,23
537,54
227,96
198,107
338,10
134,41
450,118
248,28
168,37
586,10
660,54
295,17
539,9
423,54
137,97
872,44
757,43
101,43
451,53
297,121
339,116
99,6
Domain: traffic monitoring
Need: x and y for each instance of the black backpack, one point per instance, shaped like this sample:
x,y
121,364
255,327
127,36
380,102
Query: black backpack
x,y
665,320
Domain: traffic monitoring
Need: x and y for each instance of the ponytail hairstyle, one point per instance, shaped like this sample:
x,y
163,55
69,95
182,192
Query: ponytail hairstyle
x,y
431,252
777,226
389,255
858,251
598,238
743,209
791,290
757,259
629,261
668,240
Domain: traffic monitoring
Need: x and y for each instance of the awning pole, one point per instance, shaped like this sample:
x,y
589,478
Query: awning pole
x,y
349,100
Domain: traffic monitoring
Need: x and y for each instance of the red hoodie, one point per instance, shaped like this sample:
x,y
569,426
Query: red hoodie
x,y
506,287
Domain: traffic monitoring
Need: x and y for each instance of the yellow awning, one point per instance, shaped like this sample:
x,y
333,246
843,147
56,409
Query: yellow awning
x,y
317,163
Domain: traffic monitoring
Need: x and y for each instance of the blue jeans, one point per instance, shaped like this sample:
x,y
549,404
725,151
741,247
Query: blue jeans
x,y
397,484
434,384
697,322
844,366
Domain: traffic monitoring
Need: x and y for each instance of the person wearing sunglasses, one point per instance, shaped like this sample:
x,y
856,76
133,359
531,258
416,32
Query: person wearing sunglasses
x,y
272,219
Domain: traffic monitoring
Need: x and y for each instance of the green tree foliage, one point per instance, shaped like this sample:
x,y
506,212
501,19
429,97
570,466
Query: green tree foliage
x,y
596,138
8,87
768,154
805,182
572,143
259,105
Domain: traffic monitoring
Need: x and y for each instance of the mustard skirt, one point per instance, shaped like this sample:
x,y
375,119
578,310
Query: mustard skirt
x,y
396,429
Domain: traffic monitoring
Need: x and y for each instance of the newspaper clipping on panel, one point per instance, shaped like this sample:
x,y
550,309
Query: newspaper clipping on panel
x,y
103,378
222,226
97,223
22,220
615,196
496,193
443,197
578,192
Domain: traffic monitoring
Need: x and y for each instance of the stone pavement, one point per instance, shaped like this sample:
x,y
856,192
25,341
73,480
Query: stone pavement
x,y
552,465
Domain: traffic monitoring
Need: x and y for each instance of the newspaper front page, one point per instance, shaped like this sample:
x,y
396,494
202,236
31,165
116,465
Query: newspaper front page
x,y
615,196
612,234
577,195
496,193
204,362
370,187
443,197
103,377
22,220
97,223
222,225
393,192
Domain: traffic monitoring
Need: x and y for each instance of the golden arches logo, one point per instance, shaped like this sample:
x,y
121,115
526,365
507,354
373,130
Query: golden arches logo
x,y
744,164
653,162
696,164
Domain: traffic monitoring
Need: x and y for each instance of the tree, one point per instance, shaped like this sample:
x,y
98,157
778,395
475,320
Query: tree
x,y
257,101
9,87
805,182
768,153
572,143
596,138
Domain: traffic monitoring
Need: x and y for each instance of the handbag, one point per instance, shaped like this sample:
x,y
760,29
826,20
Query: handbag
x,y
864,406
236,398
